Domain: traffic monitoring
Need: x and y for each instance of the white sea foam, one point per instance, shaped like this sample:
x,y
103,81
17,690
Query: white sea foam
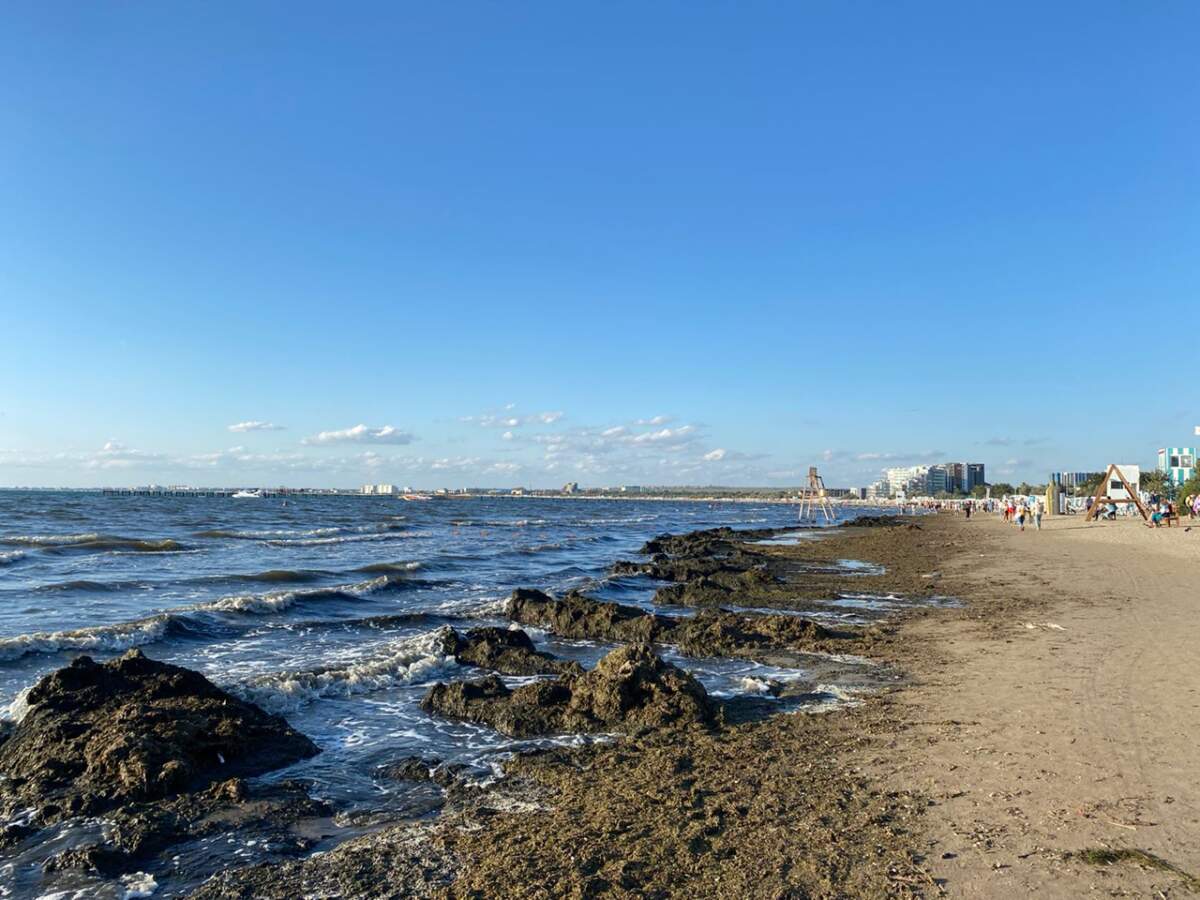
x,y
7,559
404,661
138,884
751,685
15,711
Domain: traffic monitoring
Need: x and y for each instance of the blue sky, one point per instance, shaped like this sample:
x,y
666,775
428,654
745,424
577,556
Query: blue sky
x,y
479,243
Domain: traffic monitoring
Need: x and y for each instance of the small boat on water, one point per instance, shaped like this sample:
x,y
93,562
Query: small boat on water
x,y
248,495
411,497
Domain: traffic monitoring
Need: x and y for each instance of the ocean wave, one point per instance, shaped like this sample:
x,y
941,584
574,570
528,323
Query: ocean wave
x,y
293,534
183,621
278,601
540,548
93,542
282,576
48,540
90,586
12,556
338,539
386,567
404,661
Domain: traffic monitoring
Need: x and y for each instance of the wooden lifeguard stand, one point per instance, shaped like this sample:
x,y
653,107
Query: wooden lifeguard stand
x,y
813,499
1102,493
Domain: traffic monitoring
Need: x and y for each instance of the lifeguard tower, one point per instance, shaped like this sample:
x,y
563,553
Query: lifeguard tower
x,y
813,499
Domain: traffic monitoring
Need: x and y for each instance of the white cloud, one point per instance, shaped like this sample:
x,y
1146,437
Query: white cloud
x,y
508,436
666,435
715,455
656,420
256,425
361,434
115,455
505,420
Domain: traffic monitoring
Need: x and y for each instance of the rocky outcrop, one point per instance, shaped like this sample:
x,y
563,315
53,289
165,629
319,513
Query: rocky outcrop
x,y
875,522
720,633
711,632
664,568
134,729
630,688
508,651
579,617
725,587
159,750
699,543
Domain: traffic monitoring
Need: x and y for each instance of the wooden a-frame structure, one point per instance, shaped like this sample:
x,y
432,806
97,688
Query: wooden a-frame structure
x,y
812,498
1102,492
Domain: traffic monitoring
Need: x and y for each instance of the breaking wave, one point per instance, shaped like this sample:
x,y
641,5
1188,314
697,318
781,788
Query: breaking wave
x,y
12,556
121,636
403,661
185,621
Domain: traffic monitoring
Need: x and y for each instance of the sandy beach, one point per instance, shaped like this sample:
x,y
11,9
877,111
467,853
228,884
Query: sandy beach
x,y
1059,711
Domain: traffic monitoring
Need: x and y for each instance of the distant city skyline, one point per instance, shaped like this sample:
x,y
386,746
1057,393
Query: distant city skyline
x,y
491,245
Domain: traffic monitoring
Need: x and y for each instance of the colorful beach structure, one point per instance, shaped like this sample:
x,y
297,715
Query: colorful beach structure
x,y
1177,463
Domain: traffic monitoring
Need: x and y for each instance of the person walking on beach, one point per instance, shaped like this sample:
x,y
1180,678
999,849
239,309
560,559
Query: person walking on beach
x,y
1039,510
1021,513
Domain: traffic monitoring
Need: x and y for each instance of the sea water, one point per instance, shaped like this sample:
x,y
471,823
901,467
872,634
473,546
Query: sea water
x,y
325,609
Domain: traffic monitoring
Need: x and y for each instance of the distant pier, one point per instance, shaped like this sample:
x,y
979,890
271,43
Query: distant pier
x,y
200,492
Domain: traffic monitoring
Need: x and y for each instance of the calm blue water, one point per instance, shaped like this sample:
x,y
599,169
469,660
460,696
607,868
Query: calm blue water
x,y
324,609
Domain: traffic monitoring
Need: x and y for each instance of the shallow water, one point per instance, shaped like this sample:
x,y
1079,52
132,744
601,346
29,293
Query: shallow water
x,y
323,609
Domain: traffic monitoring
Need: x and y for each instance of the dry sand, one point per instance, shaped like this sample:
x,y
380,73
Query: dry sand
x,y
1061,712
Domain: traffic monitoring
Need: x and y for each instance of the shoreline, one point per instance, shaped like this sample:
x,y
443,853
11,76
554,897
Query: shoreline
x,y
935,786
1034,737
762,805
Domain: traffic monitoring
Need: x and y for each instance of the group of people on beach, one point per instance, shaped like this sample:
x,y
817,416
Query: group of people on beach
x,y
1164,510
1020,511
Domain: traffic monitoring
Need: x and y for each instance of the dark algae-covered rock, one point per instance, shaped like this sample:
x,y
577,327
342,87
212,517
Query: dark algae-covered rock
x,y
506,650
630,688
134,729
158,750
711,632
579,617
715,632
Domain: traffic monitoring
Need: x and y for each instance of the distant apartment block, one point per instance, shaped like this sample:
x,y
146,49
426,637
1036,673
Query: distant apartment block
x,y
973,476
926,481
571,487
379,489
1177,463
